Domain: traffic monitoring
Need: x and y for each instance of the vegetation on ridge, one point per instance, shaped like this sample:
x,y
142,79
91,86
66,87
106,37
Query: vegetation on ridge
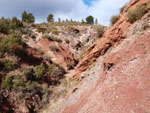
x,y
138,12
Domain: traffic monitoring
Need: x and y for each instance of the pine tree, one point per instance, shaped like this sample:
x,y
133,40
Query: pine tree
x,y
24,16
50,18
30,18
90,20
67,20
59,20
96,21
82,21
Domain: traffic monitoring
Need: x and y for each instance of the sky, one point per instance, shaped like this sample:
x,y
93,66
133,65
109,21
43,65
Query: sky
x,y
65,9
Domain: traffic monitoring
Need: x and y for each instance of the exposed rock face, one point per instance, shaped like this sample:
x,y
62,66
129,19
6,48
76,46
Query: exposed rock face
x,y
74,39
111,38
63,54
118,82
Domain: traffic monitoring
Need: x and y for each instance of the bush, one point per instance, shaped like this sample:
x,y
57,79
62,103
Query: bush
x,y
114,19
8,25
100,30
18,83
13,81
55,32
138,12
52,38
29,73
53,48
69,65
12,44
39,71
8,83
56,71
41,29
8,64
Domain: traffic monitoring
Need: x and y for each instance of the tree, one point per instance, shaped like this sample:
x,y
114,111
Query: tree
x,y
96,21
71,20
67,20
59,20
82,21
50,18
15,24
30,18
24,16
90,20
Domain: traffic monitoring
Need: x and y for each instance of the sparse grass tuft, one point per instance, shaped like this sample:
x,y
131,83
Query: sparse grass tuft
x,y
52,38
100,30
114,19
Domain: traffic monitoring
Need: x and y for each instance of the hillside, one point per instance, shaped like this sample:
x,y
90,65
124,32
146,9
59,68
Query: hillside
x,y
77,67
35,60
114,72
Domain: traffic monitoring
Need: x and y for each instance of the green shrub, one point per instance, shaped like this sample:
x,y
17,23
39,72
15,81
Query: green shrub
x,y
39,71
28,73
18,83
52,38
8,64
56,71
12,44
138,12
41,29
9,25
55,32
53,48
114,19
69,65
7,82
13,81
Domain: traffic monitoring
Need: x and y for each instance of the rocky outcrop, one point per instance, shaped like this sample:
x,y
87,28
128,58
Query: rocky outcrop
x,y
74,39
111,38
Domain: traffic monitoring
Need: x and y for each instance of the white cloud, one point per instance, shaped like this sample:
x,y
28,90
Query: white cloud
x,y
104,9
75,9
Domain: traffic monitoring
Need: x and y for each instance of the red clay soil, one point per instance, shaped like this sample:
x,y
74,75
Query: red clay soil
x,y
111,38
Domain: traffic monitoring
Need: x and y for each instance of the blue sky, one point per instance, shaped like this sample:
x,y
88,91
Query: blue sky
x,y
88,2
65,9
